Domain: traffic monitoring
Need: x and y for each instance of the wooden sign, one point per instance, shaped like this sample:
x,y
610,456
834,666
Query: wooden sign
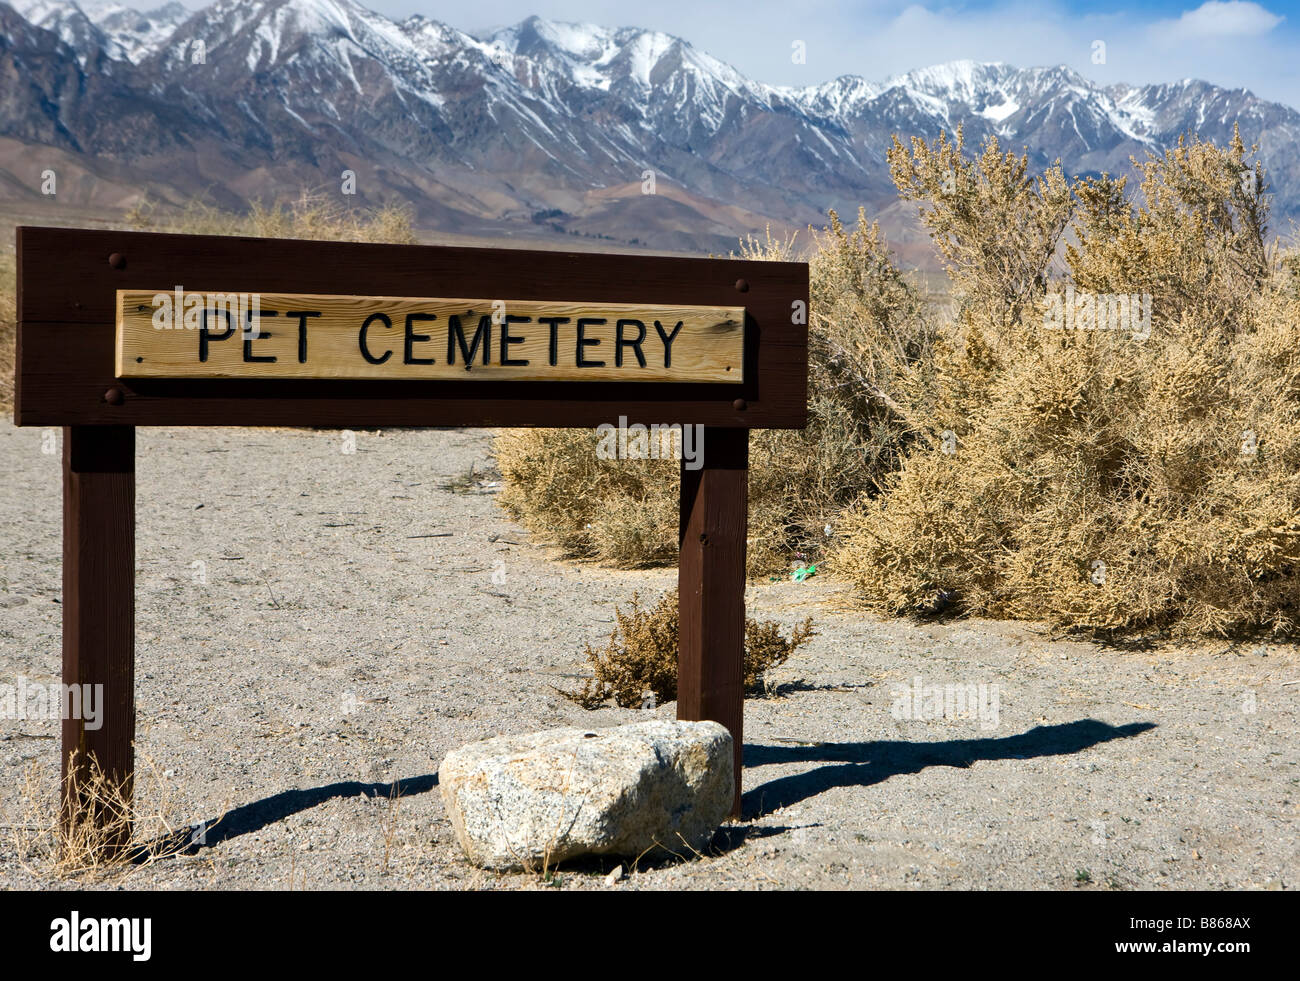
x,y
226,334
350,336
68,371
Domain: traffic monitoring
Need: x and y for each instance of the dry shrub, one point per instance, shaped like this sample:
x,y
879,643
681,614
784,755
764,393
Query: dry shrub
x,y
312,215
641,656
1092,479
1196,242
867,336
995,225
622,511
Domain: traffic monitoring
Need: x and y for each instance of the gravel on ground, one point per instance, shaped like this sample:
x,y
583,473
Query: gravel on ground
x,y
316,628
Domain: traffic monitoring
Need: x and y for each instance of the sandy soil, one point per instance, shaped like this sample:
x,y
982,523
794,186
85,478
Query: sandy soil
x,y
315,626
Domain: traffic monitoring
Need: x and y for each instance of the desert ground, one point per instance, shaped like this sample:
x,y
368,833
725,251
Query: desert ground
x,y
317,628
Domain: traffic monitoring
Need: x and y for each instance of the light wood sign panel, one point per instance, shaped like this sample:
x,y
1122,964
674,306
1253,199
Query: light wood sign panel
x,y
184,334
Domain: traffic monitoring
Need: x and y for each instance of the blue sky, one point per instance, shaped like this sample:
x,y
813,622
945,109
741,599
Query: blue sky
x,y
1234,43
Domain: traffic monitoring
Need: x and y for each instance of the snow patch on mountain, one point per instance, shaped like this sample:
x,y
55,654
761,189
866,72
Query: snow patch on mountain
x,y
73,27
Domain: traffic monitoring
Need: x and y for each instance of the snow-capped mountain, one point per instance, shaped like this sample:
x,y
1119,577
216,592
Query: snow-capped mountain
x,y
543,126
72,25
136,33
122,33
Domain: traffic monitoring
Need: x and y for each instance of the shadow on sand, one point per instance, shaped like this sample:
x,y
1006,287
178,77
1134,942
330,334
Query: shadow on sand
x,y
848,765
864,764
261,813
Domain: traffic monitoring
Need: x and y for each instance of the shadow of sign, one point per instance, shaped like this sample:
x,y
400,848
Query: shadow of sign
x,y
262,813
867,763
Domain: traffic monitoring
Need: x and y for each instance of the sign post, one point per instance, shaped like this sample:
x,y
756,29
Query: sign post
x,y
124,329
99,616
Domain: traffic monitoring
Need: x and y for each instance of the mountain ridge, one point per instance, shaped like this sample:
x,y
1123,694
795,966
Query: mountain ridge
x,y
541,127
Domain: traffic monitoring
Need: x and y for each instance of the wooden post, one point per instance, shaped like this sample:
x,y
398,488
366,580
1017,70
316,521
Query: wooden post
x,y
99,615
711,586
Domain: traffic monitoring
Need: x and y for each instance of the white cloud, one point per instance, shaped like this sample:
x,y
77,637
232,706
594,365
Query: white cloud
x,y
1222,18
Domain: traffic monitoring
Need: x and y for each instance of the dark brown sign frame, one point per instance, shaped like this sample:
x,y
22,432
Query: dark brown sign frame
x,y
67,283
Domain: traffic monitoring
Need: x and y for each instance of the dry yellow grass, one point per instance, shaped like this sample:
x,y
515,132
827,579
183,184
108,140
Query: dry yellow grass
x,y
311,216
8,331
109,835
